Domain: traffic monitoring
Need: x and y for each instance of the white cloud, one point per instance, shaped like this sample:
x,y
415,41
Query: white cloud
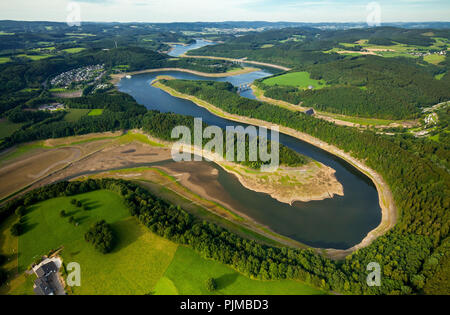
x,y
222,10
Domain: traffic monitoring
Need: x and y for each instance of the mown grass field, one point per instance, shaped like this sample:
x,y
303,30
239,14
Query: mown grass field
x,y
188,273
44,223
75,114
301,80
4,60
141,262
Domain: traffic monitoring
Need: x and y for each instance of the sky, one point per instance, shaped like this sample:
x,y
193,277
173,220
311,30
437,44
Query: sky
x,y
225,10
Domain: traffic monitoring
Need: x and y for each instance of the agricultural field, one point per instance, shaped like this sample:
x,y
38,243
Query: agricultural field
x,y
4,60
301,80
396,50
140,263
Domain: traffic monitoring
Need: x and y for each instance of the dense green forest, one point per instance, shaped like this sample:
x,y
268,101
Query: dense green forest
x,y
364,86
368,87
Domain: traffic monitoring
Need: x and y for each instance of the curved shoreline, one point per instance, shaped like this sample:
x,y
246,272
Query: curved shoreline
x,y
117,77
386,200
302,196
244,60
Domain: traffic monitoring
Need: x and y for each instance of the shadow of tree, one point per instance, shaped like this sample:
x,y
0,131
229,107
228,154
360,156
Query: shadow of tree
x,y
125,233
27,227
226,280
91,205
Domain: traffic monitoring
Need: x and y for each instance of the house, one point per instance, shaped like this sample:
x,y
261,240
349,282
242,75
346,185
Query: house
x,y
47,282
46,269
42,287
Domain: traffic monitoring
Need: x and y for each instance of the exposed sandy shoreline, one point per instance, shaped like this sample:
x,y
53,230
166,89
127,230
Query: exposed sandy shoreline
x,y
244,60
117,77
389,211
311,182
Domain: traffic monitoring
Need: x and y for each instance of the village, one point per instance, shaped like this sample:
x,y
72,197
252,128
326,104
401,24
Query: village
x,y
82,75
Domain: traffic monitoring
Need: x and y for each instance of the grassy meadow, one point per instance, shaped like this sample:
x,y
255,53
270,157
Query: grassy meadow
x,y
140,263
75,114
301,80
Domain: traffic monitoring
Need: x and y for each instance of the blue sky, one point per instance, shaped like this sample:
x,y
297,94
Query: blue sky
x,y
226,10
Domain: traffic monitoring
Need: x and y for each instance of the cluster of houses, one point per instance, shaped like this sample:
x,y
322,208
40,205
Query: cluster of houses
x,y
432,119
52,107
84,74
424,54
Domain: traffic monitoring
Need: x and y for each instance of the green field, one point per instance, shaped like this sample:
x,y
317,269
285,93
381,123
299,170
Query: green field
x,y
301,80
75,114
440,76
140,263
7,128
74,50
95,112
43,49
188,273
434,59
35,57
4,60
44,223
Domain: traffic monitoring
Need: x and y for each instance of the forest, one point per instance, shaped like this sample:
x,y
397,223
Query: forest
x,y
363,86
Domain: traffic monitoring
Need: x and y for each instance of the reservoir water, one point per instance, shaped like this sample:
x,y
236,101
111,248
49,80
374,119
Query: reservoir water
x,y
178,50
340,222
